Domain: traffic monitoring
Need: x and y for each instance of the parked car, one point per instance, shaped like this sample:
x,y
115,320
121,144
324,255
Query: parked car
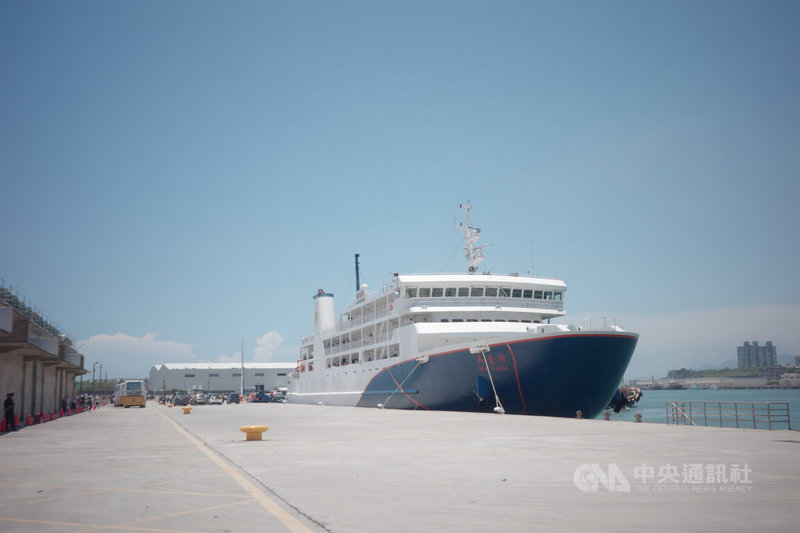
x,y
200,398
214,399
268,396
180,398
231,397
278,395
261,397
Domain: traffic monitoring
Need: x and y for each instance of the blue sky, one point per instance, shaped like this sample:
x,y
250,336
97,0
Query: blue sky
x,y
179,176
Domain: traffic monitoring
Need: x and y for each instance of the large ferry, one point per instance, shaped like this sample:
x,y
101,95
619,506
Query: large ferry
x,y
460,342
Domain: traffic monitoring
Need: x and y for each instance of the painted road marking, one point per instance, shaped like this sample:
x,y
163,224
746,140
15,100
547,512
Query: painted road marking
x,y
293,524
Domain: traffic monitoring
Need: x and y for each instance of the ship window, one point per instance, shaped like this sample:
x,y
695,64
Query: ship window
x,y
486,320
450,291
424,292
491,291
548,295
438,293
463,291
527,293
458,320
557,296
236,375
537,295
477,291
511,320
444,320
188,375
505,292
528,321
259,373
472,320
411,292
517,293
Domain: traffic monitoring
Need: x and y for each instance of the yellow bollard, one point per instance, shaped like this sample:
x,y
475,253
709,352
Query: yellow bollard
x,y
253,432
187,410
169,405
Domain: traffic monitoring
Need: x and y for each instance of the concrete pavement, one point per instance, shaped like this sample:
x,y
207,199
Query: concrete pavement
x,y
366,470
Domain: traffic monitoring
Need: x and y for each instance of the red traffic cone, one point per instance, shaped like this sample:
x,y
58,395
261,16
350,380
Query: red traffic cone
x,y
3,424
35,418
52,415
43,417
28,421
61,413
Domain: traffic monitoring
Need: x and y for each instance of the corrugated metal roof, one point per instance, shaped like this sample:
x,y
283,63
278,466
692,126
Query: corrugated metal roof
x,y
224,366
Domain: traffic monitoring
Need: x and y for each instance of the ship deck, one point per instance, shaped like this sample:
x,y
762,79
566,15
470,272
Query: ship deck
x,y
341,469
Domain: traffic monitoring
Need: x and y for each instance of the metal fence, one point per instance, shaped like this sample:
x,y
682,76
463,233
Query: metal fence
x,y
752,415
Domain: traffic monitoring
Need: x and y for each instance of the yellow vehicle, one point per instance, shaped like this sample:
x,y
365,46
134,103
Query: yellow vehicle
x,y
131,392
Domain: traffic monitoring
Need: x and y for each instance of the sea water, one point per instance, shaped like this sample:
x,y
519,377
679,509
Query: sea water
x,y
652,405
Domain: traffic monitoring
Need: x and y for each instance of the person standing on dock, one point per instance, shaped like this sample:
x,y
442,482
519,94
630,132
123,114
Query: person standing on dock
x,y
8,412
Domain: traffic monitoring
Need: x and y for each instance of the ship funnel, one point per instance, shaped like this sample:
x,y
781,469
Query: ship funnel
x,y
324,314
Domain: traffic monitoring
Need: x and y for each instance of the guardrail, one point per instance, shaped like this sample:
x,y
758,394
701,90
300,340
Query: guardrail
x,y
751,415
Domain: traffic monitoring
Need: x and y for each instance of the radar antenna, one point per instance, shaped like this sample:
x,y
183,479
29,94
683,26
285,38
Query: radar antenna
x,y
474,254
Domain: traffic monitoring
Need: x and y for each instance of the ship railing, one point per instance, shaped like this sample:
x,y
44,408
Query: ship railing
x,y
748,415
600,323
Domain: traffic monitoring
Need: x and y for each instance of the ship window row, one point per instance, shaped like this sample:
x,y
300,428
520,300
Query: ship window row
x,y
482,292
484,320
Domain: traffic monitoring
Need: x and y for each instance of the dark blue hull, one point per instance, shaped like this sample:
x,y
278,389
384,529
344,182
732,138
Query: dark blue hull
x,y
550,376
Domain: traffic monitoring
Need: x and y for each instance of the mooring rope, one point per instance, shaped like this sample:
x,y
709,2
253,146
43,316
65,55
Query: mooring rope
x,y
400,386
499,406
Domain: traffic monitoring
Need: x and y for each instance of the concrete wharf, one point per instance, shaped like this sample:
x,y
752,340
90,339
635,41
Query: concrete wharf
x,y
335,469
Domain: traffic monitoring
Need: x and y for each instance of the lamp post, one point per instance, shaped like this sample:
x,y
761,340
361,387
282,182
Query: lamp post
x,y
100,376
93,367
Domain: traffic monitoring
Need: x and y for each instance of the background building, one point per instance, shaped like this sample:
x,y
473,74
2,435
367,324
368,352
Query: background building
x,y
38,362
755,356
219,377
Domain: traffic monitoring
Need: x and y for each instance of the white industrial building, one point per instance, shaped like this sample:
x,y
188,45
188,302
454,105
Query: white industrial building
x,y
219,377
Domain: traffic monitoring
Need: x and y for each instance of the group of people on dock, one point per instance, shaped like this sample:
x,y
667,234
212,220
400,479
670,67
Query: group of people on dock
x,y
69,404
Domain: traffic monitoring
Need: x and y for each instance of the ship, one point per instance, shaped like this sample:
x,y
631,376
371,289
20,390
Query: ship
x,y
475,342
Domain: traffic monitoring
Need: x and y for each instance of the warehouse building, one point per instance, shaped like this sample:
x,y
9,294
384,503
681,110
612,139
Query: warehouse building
x,y
219,377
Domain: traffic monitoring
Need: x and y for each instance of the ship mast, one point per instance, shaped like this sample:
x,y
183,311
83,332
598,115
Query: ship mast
x,y
474,253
